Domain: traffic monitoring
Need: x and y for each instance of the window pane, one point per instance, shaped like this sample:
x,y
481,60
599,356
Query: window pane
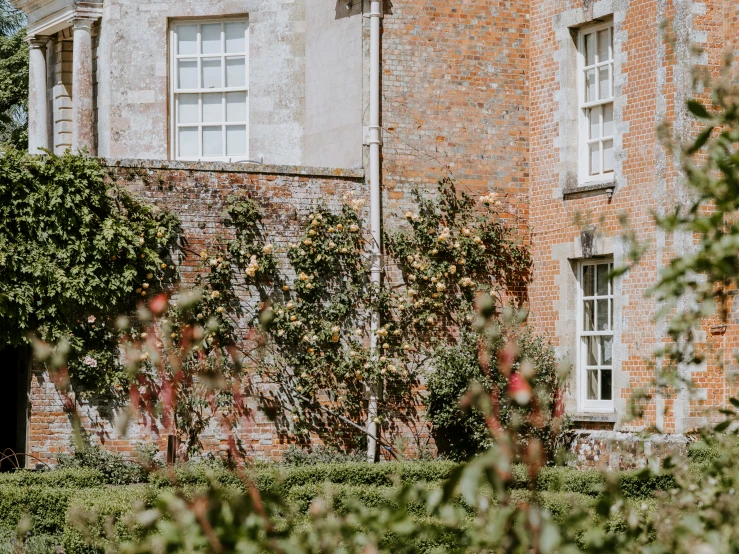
x,y
187,74
602,315
606,380
211,37
590,85
607,156
593,385
610,304
235,38
236,140
594,122
235,72
588,280
188,142
606,351
603,44
591,353
608,120
603,271
212,141
212,73
588,315
236,106
188,108
212,108
187,39
594,158
590,49
605,82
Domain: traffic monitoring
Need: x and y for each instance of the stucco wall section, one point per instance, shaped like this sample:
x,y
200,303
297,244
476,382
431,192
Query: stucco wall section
x,y
133,98
333,84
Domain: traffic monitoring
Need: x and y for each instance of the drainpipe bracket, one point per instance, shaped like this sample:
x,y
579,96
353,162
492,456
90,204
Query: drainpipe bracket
x,y
371,135
367,9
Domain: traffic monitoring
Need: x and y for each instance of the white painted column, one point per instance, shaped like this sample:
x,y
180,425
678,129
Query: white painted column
x,y
83,136
38,113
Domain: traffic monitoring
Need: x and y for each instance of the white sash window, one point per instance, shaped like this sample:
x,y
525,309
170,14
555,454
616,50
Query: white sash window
x,y
210,92
595,336
596,103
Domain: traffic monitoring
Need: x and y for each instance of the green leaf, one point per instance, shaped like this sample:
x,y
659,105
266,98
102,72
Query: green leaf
x,y
700,141
697,109
723,426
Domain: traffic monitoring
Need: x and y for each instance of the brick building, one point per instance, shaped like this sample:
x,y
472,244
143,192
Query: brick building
x,y
552,104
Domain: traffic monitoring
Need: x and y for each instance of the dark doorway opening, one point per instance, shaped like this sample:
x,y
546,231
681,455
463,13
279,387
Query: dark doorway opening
x,y
13,407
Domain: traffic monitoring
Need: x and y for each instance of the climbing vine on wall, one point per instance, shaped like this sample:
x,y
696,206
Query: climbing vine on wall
x,y
315,353
76,252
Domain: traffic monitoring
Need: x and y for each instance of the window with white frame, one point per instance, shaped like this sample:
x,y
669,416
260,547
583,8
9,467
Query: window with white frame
x,y
596,102
595,335
210,94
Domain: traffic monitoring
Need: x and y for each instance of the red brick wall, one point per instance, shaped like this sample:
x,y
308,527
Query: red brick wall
x,y
196,193
455,98
654,81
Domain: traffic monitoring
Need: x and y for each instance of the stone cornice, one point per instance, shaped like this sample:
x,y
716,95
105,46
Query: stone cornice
x,y
225,167
30,6
63,17
46,17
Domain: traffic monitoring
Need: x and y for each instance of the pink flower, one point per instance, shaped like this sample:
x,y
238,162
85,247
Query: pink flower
x,y
519,389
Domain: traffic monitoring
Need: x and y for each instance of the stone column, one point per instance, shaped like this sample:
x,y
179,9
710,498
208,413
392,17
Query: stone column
x,y
38,113
82,100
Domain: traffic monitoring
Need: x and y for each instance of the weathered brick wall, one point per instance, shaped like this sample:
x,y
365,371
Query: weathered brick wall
x,y
455,99
652,84
196,193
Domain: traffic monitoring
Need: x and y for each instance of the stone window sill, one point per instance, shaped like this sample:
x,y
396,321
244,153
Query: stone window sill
x,y
592,417
607,187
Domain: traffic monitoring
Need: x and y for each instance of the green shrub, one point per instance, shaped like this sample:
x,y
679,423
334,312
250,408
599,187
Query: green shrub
x,y
191,474
460,433
76,478
570,480
382,475
560,504
295,456
47,507
284,478
73,248
643,484
115,469
92,509
61,502
34,544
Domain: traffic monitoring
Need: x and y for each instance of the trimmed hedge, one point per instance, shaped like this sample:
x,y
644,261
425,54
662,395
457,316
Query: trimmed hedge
x,y
95,507
61,478
55,500
47,506
282,479
35,544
